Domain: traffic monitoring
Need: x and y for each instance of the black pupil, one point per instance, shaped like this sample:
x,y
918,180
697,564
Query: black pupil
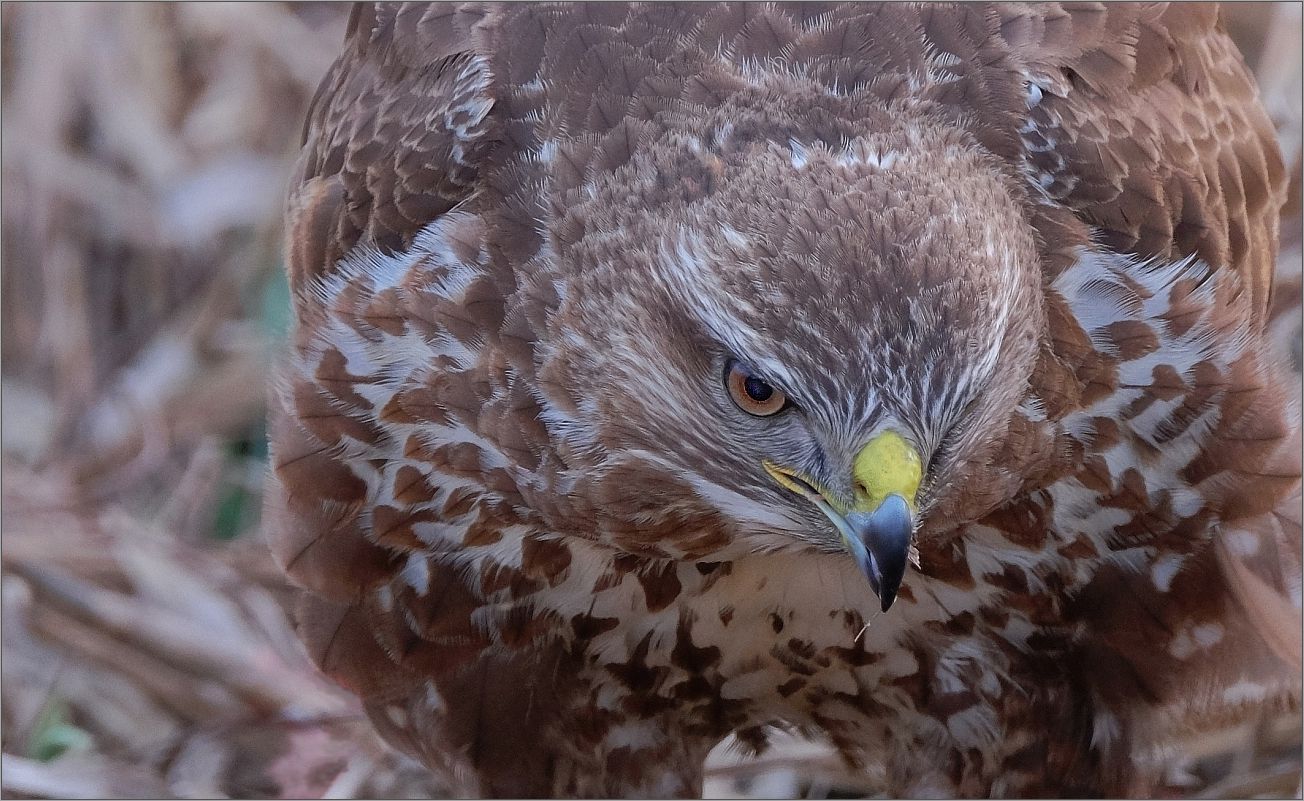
x,y
757,389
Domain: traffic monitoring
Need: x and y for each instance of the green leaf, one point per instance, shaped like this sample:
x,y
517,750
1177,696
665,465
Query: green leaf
x,y
276,306
232,512
53,735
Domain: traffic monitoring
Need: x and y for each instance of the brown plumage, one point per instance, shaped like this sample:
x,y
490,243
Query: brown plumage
x,y
1006,267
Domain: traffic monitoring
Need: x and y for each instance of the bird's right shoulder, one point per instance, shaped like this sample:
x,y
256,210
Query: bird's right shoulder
x,y
395,135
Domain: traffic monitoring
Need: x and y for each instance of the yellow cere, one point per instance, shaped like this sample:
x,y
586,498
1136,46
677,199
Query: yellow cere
x,y
887,464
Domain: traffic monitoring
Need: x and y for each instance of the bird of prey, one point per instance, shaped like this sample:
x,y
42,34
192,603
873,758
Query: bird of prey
x,y
894,375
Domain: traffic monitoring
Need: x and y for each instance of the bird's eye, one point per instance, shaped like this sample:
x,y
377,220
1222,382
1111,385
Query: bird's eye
x,y
753,395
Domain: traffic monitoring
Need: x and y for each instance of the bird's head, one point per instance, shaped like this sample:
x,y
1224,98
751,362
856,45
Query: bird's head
x,y
804,347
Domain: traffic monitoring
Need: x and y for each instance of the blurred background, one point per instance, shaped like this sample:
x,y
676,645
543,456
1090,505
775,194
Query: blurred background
x,y
147,650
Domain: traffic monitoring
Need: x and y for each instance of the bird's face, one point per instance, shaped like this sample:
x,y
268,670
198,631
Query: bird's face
x,y
813,350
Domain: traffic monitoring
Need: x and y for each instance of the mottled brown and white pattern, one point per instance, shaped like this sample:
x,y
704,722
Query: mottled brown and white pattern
x,y
535,534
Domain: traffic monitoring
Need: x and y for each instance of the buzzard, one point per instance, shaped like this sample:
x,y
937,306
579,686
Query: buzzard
x,y
891,374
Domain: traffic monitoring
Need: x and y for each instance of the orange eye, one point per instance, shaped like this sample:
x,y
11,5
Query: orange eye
x,y
752,394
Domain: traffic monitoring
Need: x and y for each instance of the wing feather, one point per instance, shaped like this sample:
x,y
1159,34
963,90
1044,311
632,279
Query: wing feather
x,y
1146,123
396,136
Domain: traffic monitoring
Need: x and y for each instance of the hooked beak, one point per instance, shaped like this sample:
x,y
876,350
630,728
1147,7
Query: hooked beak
x,y
877,530
884,537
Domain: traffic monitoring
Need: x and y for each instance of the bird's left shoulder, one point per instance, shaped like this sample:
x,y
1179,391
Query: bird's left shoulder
x,y
1144,121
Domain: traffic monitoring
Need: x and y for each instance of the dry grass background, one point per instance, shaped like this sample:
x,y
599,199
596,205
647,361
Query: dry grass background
x,y
146,650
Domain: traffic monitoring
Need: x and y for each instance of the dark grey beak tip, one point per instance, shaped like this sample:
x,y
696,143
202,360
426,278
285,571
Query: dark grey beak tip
x,y
886,535
887,598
